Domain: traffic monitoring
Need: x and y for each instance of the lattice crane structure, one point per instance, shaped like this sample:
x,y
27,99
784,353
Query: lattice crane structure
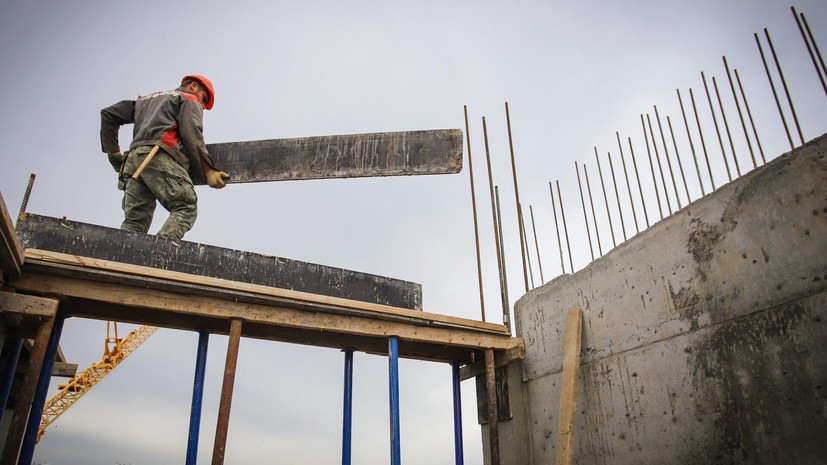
x,y
116,350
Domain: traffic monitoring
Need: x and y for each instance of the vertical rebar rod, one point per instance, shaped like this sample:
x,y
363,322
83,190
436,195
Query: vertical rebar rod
x,y
226,400
639,185
691,144
774,92
668,159
524,241
809,49
628,186
726,126
516,191
474,211
591,203
740,114
617,197
536,245
651,167
393,375
557,228
493,418
717,128
28,193
504,282
457,396
605,197
701,136
660,165
749,115
813,41
41,389
197,396
678,157
784,83
347,408
565,226
494,215
585,216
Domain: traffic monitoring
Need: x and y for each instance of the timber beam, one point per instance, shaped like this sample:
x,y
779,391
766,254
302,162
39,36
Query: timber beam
x,y
11,251
342,156
100,289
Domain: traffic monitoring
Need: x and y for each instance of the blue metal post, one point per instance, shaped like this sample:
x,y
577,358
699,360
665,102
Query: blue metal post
x,y
197,396
347,413
15,347
457,415
42,390
393,344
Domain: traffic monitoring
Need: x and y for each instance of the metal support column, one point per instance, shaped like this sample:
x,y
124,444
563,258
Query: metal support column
x,y
15,346
457,415
42,390
197,396
226,393
347,409
393,362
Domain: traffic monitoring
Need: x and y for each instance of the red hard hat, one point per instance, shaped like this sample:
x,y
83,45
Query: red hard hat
x,y
207,85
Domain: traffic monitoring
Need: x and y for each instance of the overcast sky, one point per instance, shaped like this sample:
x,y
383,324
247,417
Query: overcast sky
x,y
573,73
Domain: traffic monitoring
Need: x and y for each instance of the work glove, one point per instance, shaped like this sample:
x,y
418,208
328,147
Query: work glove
x,y
116,160
215,178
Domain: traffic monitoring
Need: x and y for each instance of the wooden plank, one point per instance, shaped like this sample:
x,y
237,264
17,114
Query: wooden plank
x,y
65,370
138,305
341,156
282,296
501,359
568,387
87,240
11,251
27,305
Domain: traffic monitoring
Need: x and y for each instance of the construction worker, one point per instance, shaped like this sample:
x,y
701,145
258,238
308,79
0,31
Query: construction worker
x,y
171,120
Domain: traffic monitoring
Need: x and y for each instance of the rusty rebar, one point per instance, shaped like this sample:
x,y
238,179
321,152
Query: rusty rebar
x,y
651,168
809,49
628,186
493,417
726,126
717,129
536,245
585,216
594,216
815,44
740,114
660,165
617,197
25,203
500,268
503,283
557,228
701,136
605,197
774,92
668,160
691,144
784,83
639,185
563,215
474,211
678,157
749,115
524,237
516,190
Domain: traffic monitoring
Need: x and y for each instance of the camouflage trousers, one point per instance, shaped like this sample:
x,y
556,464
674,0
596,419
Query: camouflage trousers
x,y
162,180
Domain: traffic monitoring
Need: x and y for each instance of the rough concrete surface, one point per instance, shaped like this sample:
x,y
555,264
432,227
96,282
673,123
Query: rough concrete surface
x,y
704,337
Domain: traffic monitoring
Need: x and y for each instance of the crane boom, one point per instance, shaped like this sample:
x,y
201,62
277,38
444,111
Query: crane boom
x,y
76,387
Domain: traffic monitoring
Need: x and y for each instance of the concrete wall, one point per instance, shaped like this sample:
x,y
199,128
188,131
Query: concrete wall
x,y
704,338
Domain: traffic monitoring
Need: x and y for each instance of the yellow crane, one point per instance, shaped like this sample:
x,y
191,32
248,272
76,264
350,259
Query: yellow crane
x,y
116,350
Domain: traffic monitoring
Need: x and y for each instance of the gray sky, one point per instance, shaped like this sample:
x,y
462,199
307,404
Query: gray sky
x,y
572,72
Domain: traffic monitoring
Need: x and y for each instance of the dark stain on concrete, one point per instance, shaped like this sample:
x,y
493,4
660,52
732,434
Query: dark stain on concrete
x,y
762,380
